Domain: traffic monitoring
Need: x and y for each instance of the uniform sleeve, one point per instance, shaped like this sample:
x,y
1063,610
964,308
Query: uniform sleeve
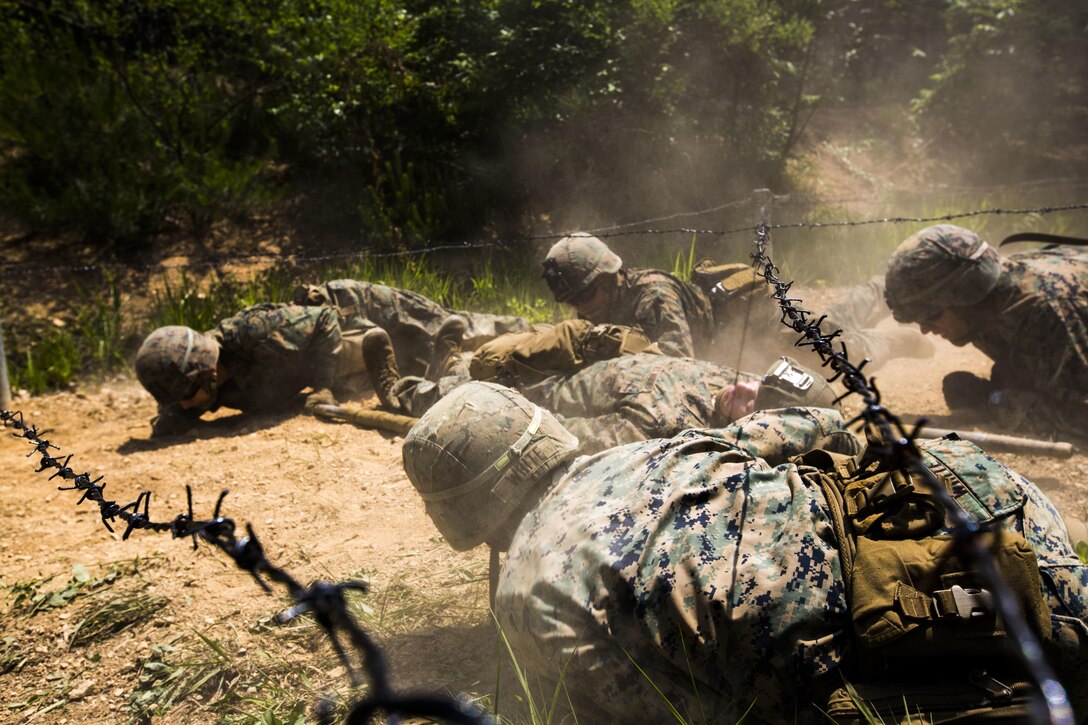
x,y
1043,385
778,435
862,306
661,316
322,347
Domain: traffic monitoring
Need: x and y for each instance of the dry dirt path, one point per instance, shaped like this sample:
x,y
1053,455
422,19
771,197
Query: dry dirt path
x,y
328,501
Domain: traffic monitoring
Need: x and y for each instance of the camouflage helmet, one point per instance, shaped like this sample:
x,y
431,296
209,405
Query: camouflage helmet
x,y
788,384
939,267
309,295
575,261
173,360
477,454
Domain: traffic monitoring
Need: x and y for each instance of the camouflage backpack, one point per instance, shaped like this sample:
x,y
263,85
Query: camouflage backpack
x,y
928,637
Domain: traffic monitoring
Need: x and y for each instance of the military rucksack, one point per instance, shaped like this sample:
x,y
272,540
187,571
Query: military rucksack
x,y
928,642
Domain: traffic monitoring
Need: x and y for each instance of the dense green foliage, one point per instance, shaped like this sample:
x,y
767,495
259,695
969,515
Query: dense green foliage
x,y
119,118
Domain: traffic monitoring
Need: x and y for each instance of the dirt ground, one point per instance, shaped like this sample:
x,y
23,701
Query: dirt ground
x,y
328,501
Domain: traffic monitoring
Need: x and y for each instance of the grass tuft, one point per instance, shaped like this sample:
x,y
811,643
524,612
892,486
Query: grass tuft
x,y
12,656
33,596
101,620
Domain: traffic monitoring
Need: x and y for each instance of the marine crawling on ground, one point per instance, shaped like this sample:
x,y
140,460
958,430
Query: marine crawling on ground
x,y
746,572
1027,312
257,361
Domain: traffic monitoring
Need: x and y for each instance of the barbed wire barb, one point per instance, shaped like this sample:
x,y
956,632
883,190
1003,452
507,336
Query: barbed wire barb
x,y
325,601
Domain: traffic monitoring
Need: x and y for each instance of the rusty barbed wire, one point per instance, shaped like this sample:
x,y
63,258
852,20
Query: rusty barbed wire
x,y
324,600
895,445
8,269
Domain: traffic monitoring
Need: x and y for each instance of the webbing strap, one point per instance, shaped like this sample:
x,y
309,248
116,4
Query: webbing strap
x,y
508,456
188,350
955,602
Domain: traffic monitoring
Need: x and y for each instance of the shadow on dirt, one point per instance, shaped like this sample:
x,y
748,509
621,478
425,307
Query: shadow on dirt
x,y
459,660
230,426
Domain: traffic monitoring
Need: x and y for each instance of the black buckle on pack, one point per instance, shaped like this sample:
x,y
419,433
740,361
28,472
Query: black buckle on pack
x,y
997,691
963,603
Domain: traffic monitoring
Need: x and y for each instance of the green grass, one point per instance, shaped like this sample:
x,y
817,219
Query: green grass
x,y
12,656
104,617
32,596
109,320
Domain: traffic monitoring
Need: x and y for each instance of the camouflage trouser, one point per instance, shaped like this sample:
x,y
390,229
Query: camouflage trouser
x,y
856,313
413,337
754,335
413,320
416,394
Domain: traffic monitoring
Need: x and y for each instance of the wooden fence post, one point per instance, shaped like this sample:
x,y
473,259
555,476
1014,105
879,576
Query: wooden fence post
x,y
5,388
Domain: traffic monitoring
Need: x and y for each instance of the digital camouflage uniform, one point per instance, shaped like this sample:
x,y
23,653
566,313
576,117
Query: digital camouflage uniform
x,y
1027,312
272,352
411,319
634,397
709,563
622,400
727,314
1038,340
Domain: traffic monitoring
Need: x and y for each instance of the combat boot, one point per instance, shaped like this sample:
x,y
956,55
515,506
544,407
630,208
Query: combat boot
x,y
381,366
447,347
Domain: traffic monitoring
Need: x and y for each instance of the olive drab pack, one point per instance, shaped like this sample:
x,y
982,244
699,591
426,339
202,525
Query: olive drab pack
x,y
525,358
923,620
742,304
726,282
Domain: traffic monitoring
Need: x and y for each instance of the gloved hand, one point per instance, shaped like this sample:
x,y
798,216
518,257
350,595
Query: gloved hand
x,y
321,396
173,420
967,390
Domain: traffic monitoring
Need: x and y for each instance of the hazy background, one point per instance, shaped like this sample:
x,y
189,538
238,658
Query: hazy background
x,y
405,123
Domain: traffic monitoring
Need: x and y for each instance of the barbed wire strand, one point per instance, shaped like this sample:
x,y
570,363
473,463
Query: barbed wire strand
x,y
877,197
893,444
325,601
9,269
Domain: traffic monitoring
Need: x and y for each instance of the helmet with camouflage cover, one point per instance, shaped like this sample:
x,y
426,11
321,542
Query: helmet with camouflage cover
x,y
575,261
173,360
477,454
939,267
309,295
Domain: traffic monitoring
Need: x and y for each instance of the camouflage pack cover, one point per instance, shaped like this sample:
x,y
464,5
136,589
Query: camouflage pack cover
x,y
939,267
172,359
715,573
476,454
575,261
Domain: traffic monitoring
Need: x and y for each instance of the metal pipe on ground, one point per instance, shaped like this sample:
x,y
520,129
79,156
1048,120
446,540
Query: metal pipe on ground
x,y
998,443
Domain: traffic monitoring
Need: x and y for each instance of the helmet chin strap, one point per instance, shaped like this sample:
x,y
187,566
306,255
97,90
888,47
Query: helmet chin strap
x,y
188,350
